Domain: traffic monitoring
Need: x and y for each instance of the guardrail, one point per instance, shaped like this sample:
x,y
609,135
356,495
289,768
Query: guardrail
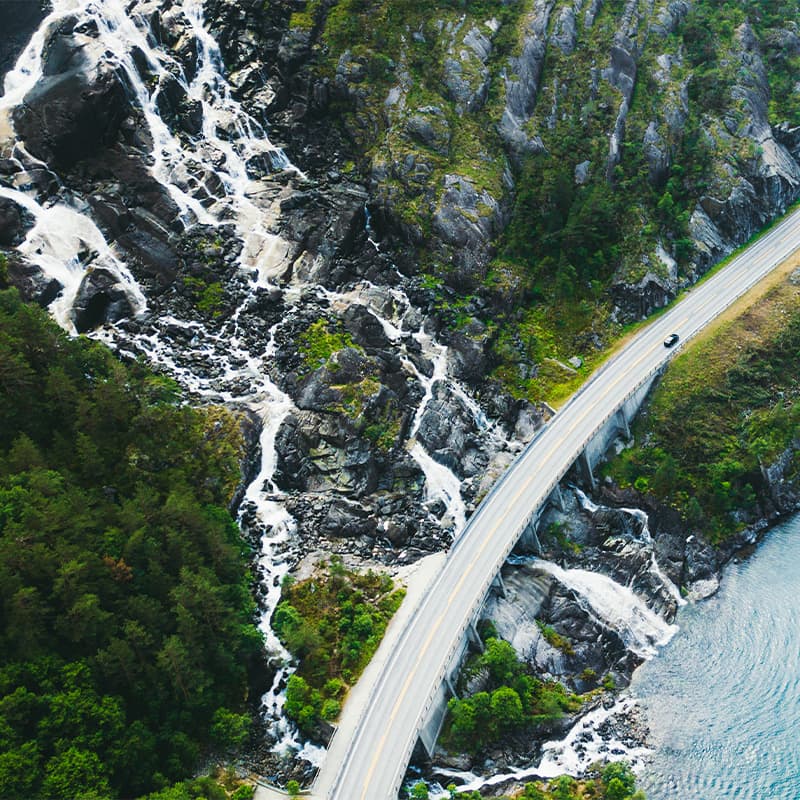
x,y
470,616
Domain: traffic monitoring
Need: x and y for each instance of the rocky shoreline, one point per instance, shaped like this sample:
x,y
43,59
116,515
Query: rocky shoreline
x,y
665,567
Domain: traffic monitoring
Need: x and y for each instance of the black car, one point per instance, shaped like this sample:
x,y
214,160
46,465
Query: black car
x,y
671,340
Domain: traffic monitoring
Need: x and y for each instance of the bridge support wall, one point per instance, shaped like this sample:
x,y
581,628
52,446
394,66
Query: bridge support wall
x,y
618,424
594,452
430,731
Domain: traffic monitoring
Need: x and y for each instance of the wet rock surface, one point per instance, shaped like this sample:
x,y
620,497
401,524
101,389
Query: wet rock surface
x,y
639,545
347,436
15,222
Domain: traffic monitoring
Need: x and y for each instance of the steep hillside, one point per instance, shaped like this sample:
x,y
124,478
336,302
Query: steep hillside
x,y
127,643
718,441
388,233
550,170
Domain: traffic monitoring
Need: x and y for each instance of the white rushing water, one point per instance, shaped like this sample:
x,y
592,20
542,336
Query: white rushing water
x,y
582,747
58,242
441,483
655,568
644,524
65,241
224,157
616,606
208,176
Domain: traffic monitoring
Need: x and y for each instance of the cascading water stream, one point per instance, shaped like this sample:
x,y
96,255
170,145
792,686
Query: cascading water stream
x,y
63,234
209,176
645,536
572,755
58,240
615,606
440,481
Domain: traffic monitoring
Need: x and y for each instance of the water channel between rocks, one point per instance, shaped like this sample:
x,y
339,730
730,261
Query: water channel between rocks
x,y
723,697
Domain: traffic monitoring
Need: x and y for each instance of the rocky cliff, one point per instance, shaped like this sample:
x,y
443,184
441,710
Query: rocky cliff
x,y
389,232
549,169
508,182
137,191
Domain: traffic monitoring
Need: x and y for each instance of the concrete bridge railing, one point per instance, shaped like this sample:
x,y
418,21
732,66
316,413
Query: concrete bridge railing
x,y
402,698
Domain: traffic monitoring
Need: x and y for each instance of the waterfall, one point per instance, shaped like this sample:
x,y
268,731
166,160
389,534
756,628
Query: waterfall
x,y
57,242
644,523
209,175
64,233
615,606
573,755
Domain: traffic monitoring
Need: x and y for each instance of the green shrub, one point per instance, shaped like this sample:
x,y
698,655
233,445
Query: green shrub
x,y
514,701
320,342
333,622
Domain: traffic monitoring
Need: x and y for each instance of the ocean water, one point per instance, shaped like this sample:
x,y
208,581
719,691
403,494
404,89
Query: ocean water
x,y
722,699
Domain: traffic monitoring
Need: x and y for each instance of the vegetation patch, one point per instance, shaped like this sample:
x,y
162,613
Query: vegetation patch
x,y
513,701
225,786
555,639
727,408
208,297
332,623
614,781
356,396
126,619
321,341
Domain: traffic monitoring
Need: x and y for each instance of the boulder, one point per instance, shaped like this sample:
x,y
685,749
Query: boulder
x,y
365,328
430,128
101,298
449,433
468,361
31,282
466,220
657,155
15,222
79,105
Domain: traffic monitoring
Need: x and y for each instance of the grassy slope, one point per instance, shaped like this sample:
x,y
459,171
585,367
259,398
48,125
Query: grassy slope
x,y
727,407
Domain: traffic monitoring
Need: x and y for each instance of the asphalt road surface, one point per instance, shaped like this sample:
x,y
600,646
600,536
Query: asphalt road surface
x,y
377,756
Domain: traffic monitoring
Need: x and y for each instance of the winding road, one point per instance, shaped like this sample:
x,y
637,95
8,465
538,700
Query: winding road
x,y
376,757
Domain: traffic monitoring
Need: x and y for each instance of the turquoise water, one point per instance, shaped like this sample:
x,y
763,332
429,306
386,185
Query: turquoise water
x,y
723,697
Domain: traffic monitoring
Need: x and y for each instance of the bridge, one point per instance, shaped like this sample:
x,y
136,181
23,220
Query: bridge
x,y
408,694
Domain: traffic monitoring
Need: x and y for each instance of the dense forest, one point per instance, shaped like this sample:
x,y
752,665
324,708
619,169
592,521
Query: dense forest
x,y
126,618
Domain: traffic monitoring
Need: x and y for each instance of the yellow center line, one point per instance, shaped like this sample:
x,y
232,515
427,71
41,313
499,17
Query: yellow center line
x,y
472,564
